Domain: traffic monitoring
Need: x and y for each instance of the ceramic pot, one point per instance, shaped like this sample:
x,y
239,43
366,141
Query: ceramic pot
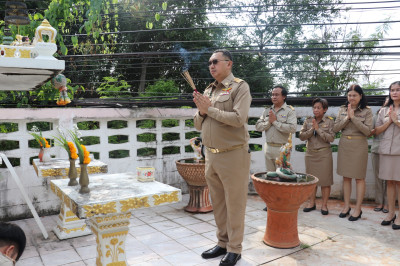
x,y
72,173
194,174
283,200
84,179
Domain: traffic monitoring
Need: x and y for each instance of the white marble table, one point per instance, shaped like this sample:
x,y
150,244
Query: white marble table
x,y
108,206
68,224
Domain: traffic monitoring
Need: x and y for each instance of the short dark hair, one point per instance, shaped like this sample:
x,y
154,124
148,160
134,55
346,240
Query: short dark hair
x,y
390,102
283,90
12,234
225,53
323,102
357,88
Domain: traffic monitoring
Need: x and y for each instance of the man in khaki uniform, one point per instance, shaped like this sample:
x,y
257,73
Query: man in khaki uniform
x,y
222,118
12,243
278,122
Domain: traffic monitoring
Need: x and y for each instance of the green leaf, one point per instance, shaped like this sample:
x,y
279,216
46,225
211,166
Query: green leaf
x,y
36,17
164,6
64,49
157,16
74,40
150,25
147,25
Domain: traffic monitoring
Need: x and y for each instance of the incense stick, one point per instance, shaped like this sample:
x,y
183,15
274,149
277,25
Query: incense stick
x,y
188,78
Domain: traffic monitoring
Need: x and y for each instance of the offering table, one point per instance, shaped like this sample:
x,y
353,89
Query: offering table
x,y
68,224
108,206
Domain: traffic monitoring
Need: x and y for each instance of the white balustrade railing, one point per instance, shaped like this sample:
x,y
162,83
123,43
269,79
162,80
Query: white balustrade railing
x,y
13,206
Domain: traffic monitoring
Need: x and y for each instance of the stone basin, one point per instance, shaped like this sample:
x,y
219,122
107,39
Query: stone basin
x,y
283,200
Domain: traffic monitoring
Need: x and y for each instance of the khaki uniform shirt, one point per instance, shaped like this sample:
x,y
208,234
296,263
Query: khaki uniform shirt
x,y
359,125
278,132
377,139
390,142
324,134
225,124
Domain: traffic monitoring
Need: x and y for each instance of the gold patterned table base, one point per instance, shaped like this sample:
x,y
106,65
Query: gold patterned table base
x,y
69,225
110,231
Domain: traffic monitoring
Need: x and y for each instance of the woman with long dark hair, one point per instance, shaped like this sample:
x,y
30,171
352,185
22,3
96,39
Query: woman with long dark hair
x,y
354,120
388,124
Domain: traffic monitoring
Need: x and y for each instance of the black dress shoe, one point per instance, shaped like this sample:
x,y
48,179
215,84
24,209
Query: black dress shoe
x,y
343,215
230,259
352,218
265,209
384,222
213,252
385,210
324,212
309,209
395,226
377,209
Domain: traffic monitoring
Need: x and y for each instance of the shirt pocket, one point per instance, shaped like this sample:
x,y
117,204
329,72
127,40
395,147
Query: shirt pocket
x,y
224,102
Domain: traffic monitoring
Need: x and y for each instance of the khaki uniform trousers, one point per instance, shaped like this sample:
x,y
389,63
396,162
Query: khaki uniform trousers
x,y
271,153
227,175
380,184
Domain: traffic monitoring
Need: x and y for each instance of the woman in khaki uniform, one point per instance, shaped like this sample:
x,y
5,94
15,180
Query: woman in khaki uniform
x,y
318,131
354,120
388,124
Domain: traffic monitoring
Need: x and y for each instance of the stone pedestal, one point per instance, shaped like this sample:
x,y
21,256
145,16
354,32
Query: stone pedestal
x,y
283,200
108,206
68,224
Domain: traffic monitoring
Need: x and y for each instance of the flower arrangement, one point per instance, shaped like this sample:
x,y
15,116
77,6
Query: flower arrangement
x,y
61,140
39,137
83,154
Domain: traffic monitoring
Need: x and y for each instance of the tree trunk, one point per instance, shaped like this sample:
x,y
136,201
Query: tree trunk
x,y
142,84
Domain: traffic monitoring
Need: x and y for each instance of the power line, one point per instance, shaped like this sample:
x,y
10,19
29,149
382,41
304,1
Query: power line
x,y
238,26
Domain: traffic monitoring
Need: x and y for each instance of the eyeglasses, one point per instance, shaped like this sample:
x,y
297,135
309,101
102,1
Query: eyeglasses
x,y
215,61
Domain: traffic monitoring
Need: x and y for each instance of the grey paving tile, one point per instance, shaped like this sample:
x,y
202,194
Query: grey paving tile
x,y
195,241
164,225
153,238
60,258
166,248
33,261
87,252
187,258
201,227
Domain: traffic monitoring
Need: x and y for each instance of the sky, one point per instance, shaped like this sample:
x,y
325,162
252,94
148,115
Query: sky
x,y
381,12
368,11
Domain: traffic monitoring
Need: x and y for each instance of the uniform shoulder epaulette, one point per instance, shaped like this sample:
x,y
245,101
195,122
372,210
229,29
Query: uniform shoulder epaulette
x,y
291,107
330,117
238,80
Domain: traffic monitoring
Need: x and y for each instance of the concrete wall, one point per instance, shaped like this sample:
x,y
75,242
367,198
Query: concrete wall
x,y
12,205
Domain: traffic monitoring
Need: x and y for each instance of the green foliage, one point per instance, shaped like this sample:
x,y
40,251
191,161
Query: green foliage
x,y
189,123
170,123
90,140
144,152
147,123
170,136
6,145
146,137
192,134
117,124
255,134
113,88
116,139
161,88
255,147
118,154
252,120
8,127
170,150
88,125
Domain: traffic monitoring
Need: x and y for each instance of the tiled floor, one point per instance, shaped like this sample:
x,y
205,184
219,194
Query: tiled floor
x,y
167,235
